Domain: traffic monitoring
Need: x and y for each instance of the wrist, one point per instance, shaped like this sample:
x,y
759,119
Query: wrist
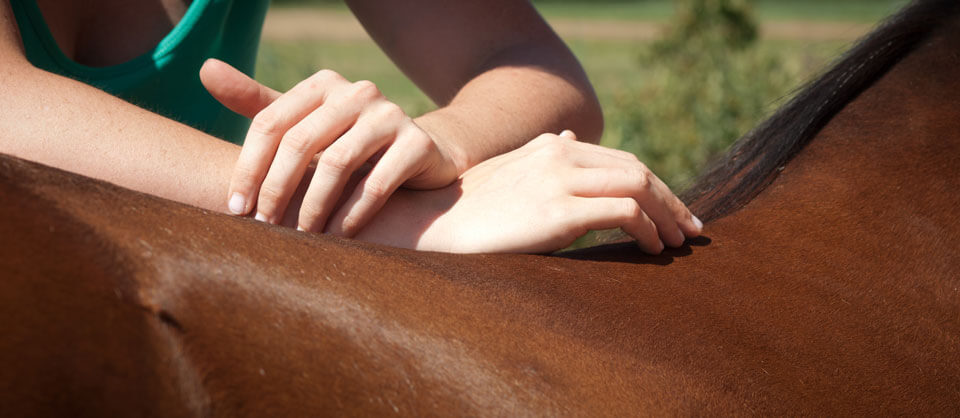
x,y
414,219
448,137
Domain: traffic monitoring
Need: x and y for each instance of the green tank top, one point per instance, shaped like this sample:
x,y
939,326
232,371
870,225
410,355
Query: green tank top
x,y
165,80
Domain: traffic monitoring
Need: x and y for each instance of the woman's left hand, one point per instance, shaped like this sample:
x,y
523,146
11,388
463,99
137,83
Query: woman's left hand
x,y
337,124
539,198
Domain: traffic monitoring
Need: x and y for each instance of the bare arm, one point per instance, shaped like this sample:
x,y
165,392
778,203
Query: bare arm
x,y
70,125
499,73
67,124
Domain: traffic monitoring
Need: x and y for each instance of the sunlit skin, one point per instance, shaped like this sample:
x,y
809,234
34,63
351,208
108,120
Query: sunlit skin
x,y
504,80
833,292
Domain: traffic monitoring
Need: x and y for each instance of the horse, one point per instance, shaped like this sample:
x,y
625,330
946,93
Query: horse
x,y
828,283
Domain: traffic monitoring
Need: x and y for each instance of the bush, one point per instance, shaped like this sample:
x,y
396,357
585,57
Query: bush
x,y
710,84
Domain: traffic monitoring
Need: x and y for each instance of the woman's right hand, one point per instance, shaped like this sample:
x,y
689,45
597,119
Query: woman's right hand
x,y
542,196
338,127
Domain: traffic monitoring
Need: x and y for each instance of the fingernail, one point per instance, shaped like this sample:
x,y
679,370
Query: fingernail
x,y
660,246
237,204
697,222
260,217
567,133
300,228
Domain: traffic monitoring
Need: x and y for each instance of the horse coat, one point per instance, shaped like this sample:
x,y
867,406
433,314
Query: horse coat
x,y
828,282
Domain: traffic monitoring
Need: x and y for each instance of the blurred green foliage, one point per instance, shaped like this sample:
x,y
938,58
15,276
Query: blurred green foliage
x,y
660,10
675,102
710,84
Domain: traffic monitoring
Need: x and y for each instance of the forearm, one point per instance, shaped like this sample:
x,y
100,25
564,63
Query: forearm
x,y
512,100
499,73
69,125
91,133
66,124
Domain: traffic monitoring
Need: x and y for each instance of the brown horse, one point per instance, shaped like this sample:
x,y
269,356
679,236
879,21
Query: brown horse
x,y
834,290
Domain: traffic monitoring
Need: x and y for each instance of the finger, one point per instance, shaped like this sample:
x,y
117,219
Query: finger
x,y
690,225
587,149
697,228
592,156
334,168
266,131
636,182
304,140
402,160
673,219
610,212
234,89
568,134
582,154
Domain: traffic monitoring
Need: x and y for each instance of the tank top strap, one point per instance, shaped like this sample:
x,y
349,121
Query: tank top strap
x,y
165,79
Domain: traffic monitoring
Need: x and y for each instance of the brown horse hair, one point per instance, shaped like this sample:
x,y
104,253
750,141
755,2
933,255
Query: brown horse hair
x,y
755,160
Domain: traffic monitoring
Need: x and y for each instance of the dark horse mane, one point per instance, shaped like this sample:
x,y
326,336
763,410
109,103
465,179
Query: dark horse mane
x,y
754,161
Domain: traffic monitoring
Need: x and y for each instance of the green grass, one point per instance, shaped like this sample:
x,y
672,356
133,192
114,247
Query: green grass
x,y
282,64
863,11
614,67
641,111
625,84
634,93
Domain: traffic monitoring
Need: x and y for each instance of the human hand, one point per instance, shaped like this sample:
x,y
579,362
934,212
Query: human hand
x,y
544,195
347,124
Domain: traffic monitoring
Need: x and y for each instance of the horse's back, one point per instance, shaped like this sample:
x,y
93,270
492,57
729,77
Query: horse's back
x,y
835,291
117,292
76,339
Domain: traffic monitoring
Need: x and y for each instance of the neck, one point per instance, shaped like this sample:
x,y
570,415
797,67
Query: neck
x,y
884,170
758,158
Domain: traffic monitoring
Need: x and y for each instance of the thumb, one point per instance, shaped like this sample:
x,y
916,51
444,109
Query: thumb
x,y
234,89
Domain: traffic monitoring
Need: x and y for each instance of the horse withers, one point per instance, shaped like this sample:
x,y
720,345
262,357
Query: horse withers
x,y
829,283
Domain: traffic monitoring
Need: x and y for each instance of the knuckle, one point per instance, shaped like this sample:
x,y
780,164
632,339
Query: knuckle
x,y
336,159
683,213
365,129
365,88
629,156
421,140
546,137
298,141
390,112
267,122
631,210
309,217
270,194
556,150
641,179
246,175
323,77
365,85
376,188
543,140
350,225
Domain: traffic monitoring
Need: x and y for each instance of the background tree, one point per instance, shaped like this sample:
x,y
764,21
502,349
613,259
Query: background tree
x,y
710,80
